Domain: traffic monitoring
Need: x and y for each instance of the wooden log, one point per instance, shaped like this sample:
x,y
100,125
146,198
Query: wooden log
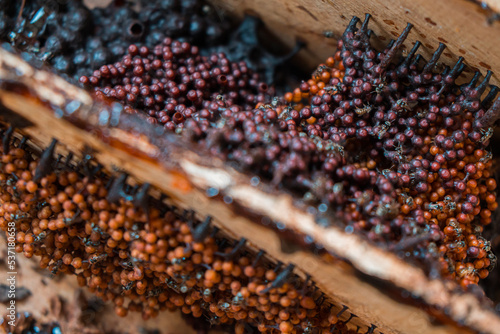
x,y
54,108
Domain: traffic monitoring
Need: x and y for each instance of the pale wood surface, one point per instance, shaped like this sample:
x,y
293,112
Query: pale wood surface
x,y
460,24
493,4
186,175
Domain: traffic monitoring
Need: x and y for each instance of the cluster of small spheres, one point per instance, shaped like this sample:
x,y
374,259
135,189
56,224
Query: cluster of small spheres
x,y
394,148
390,145
423,142
173,83
145,255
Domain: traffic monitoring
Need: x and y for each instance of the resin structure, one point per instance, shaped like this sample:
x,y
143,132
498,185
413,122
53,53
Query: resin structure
x,y
75,40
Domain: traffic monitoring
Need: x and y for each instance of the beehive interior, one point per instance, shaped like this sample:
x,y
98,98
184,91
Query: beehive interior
x,y
414,119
